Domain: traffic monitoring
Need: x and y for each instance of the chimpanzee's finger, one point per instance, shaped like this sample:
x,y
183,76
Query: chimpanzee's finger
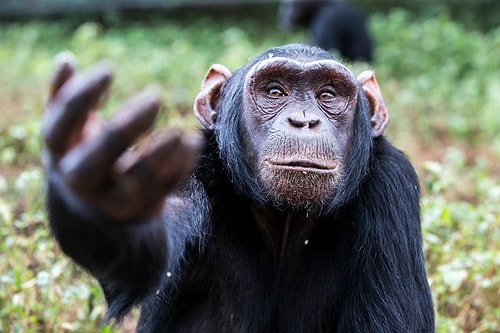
x,y
64,69
89,165
140,191
169,159
174,156
66,113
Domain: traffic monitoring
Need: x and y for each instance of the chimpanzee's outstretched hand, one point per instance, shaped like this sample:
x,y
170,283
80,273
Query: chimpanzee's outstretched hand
x,y
92,158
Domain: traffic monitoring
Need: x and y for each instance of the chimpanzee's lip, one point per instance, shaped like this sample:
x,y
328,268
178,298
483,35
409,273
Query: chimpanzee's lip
x,y
303,165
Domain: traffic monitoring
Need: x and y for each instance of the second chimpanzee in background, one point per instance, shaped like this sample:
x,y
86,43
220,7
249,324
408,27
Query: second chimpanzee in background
x,y
333,25
299,216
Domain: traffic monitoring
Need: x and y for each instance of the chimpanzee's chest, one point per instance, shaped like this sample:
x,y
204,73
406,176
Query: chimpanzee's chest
x,y
247,289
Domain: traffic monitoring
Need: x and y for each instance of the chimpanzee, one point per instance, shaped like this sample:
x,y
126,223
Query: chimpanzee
x,y
290,212
333,25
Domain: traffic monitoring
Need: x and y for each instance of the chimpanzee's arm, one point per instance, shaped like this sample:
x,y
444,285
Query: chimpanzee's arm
x,y
128,258
106,202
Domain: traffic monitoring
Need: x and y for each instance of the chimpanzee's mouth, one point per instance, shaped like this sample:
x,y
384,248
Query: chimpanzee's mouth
x,y
306,164
303,166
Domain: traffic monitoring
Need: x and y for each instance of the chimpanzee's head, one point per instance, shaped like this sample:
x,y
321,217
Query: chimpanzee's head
x,y
294,126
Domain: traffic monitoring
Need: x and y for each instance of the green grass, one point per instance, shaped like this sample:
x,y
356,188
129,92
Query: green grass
x,y
439,80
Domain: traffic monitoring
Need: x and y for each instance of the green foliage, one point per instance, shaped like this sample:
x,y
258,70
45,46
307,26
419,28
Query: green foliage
x,y
34,296
445,74
439,80
460,220
477,14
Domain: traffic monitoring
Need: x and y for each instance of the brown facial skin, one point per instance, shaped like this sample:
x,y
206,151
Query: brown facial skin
x,y
297,128
296,125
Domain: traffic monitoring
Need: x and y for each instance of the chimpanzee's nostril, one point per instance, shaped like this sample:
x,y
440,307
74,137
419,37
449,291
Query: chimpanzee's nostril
x,y
296,123
307,123
313,123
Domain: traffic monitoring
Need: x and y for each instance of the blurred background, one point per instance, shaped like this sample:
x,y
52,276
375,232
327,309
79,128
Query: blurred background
x,y
438,65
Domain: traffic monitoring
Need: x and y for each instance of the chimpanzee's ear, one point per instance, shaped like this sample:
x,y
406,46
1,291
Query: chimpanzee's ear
x,y
379,117
209,95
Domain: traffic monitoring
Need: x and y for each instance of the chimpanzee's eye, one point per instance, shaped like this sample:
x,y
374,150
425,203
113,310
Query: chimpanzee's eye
x,y
326,96
275,92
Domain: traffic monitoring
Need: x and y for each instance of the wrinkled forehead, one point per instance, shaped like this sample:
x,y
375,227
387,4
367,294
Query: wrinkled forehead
x,y
317,69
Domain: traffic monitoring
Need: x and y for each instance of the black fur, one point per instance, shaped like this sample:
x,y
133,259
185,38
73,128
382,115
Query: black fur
x,y
333,25
209,268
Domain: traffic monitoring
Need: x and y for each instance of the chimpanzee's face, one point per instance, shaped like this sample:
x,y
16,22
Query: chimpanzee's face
x,y
296,128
